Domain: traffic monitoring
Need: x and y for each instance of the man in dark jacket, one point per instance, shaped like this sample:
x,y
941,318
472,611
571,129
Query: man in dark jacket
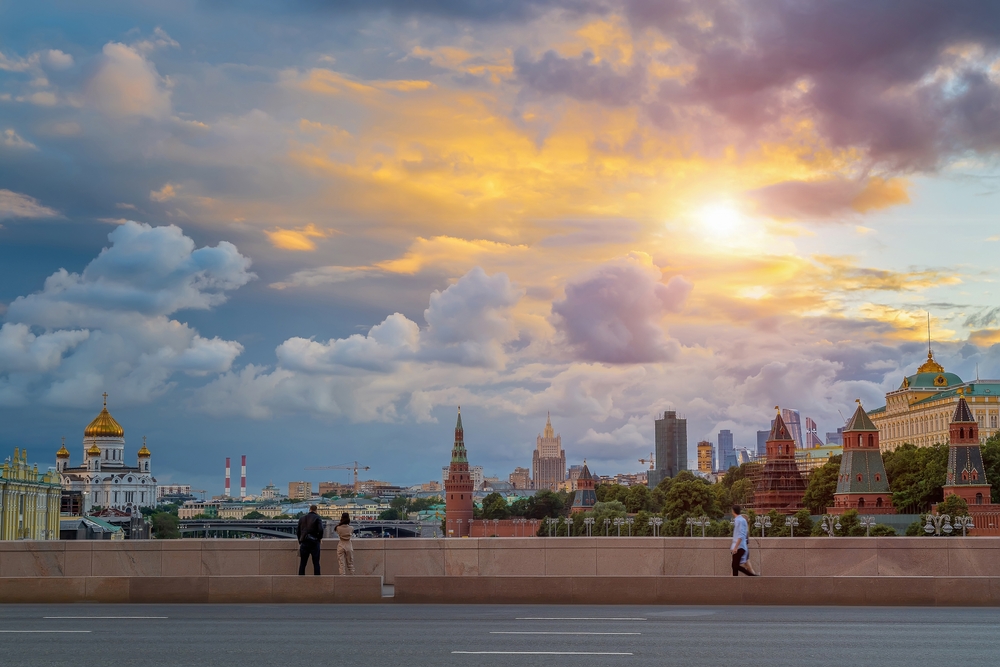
x,y
310,533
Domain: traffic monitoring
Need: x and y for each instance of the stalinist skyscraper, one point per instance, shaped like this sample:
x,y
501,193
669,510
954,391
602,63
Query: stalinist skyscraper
x,y
548,464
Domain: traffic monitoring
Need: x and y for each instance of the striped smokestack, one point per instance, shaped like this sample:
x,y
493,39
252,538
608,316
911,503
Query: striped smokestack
x,y
227,477
243,477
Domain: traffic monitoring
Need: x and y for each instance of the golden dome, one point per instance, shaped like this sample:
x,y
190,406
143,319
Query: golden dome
x,y
931,366
94,450
63,453
104,425
144,452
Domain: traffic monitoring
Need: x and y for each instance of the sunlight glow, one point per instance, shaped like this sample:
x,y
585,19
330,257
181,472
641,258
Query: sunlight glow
x,y
721,219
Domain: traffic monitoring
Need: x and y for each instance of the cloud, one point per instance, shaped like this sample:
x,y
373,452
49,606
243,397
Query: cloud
x,y
159,40
828,197
394,340
585,78
126,84
166,193
11,139
147,270
910,85
297,239
372,376
17,205
613,314
109,326
22,351
469,322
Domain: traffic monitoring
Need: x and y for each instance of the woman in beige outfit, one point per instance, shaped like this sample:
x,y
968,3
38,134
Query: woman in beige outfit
x,y
345,550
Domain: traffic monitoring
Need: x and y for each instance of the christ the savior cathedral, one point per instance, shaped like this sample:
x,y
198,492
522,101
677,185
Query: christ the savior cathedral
x,y
103,478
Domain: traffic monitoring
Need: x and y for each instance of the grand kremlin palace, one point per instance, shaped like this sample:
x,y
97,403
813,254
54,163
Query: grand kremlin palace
x,y
920,411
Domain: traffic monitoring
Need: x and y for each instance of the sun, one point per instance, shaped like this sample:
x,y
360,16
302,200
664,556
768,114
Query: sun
x,y
721,219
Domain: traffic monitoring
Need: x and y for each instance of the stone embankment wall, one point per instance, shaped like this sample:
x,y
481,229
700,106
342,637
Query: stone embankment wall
x,y
525,557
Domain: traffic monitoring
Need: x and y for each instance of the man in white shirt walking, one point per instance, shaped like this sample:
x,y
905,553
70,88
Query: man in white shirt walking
x,y
740,547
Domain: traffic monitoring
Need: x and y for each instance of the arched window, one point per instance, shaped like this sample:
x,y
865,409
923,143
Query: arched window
x,y
878,477
871,440
979,499
878,502
861,502
860,477
961,432
965,475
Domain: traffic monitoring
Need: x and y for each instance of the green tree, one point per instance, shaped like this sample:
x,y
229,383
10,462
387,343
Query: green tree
x,y
953,506
495,507
822,486
549,504
691,496
916,476
991,464
390,514
254,515
166,526
638,498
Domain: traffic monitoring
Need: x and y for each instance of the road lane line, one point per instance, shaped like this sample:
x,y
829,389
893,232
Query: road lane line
x,y
535,653
511,632
107,617
575,618
14,632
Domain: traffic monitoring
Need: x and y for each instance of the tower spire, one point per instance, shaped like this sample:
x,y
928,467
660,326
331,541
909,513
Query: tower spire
x,y
929,353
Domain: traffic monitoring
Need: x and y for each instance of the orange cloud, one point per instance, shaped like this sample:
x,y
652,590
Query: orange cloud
x,y
296,239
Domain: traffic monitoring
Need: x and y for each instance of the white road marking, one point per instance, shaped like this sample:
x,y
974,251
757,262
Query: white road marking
x,y
45,631
574,618
501,632
535,653
106,617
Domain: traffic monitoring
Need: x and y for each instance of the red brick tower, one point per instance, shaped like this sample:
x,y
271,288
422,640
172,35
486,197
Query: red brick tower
x,y
458,488
779,484
862,483
966,474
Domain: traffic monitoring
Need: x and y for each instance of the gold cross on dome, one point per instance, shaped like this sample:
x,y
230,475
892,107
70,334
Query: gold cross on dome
x,y
105,399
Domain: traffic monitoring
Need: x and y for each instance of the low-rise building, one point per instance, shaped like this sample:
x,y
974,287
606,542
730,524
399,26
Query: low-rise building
x,y
335,488
29,500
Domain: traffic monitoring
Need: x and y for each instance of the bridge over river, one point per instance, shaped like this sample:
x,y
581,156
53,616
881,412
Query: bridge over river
x,y
285,528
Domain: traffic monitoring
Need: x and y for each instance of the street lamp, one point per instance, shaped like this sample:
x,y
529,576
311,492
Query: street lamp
x,y
550,521
965,523
589,523
568,522
656,522
700,521
867,522
619,522
607,526
829,524
534,530
934,524
630,520
791,522
762,522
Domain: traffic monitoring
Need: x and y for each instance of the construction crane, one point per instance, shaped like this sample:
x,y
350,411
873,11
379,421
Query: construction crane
x,y
649,461
346,466
201,491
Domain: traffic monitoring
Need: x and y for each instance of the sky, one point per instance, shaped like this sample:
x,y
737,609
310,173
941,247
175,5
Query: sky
x,y
307,232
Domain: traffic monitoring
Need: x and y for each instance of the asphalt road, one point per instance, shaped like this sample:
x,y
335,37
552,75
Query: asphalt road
x,y
293,635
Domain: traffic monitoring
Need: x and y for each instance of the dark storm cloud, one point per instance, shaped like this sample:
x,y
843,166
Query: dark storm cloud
x,y
907,82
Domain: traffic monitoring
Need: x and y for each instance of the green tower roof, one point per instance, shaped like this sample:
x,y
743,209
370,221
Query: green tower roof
x,y
860,421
